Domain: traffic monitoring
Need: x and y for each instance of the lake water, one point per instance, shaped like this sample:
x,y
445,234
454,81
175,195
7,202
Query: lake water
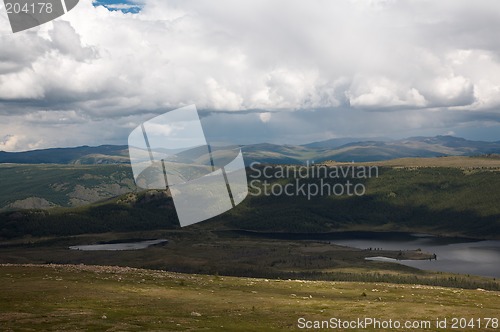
x,y
119,246
453,254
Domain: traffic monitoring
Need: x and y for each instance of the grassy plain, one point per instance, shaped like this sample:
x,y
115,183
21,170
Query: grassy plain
x,y
99,298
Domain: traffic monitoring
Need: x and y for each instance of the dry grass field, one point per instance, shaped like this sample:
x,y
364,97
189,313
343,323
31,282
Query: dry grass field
x,y
452,161
100,298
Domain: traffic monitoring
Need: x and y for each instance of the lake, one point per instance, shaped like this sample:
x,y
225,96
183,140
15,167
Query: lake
x,y
137,245
456,255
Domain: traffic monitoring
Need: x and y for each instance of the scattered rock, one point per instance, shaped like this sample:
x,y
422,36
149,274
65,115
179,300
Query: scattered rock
x,y
32,203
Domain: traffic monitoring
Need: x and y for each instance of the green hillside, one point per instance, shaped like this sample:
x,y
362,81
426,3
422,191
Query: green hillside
x,y
439,200
104,154
48,185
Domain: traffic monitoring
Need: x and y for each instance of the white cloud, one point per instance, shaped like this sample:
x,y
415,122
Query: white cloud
x,y
383,93
372,55
8,142
265,117
453,91
23,84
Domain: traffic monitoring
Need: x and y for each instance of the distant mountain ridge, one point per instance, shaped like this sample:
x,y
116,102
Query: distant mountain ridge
x,y
104,154
369,150
343,150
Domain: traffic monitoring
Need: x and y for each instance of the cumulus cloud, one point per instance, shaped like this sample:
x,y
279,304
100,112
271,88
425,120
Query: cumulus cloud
x,y
8,142
103,66
265,117
381,92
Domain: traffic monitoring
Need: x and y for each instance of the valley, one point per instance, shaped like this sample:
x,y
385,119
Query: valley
x,y
268,251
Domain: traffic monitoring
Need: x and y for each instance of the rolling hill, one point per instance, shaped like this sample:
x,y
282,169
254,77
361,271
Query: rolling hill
x,y
446,196
344,150
104,154
52,185
93,187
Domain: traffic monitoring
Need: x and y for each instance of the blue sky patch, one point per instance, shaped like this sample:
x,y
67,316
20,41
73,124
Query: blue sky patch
x,y
119,5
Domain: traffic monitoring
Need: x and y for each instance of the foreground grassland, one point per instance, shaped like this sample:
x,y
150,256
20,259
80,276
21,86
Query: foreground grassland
x,y
98,298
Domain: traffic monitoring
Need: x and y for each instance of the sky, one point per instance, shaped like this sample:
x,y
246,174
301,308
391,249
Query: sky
x,y
281,71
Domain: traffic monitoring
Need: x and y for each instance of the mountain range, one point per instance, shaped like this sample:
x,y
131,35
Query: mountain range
x,y
91,189
342,150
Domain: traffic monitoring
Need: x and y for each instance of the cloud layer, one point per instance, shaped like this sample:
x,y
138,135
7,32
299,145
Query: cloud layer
x,y
95,69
